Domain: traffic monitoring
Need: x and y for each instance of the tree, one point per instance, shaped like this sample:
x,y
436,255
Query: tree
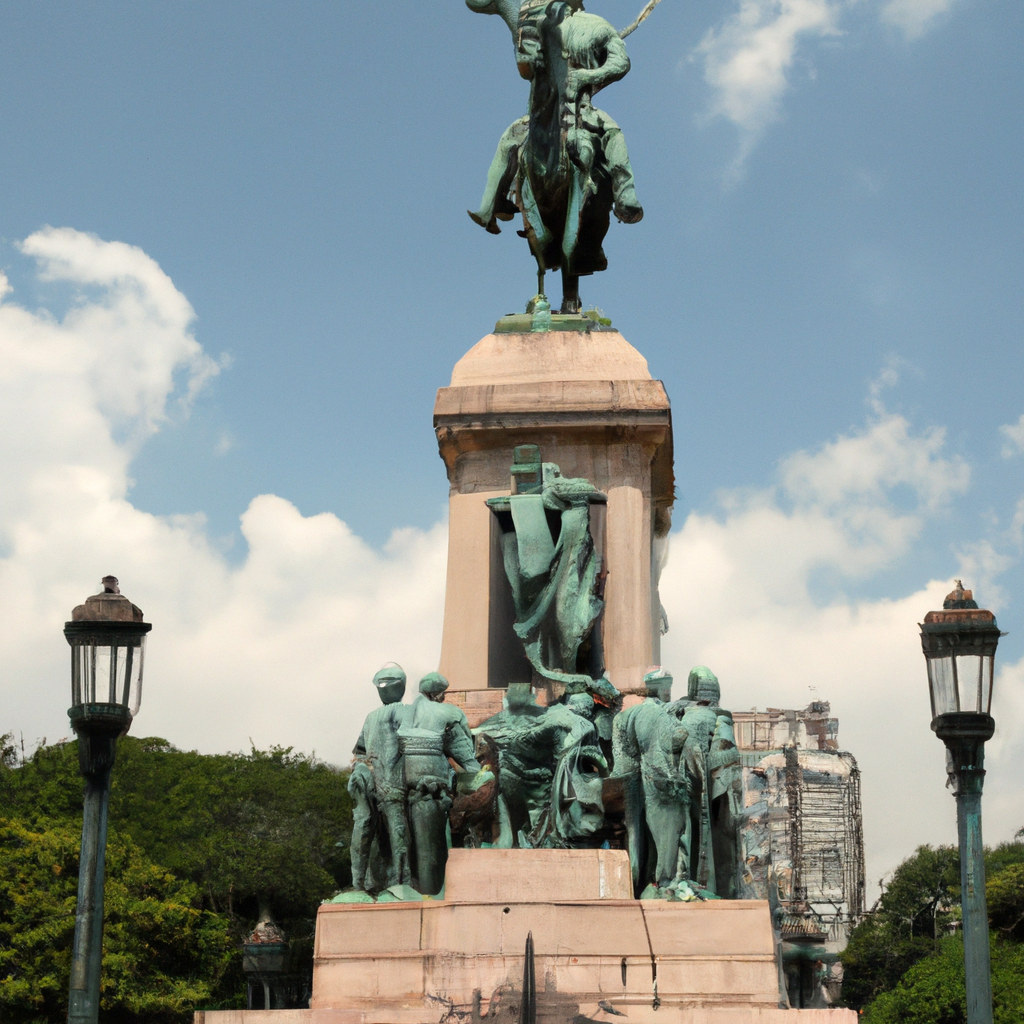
x,y
263,826
898,964
921,899
1004,890
231,831
267,824
162,953
876,958
933,992
924,894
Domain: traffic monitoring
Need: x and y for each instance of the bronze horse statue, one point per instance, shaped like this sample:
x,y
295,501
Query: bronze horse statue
x,y
564,166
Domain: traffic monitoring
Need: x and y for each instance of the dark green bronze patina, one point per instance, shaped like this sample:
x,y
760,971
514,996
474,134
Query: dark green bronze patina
x,y
525,323
402,784
535,776
564,166
555,572
550,773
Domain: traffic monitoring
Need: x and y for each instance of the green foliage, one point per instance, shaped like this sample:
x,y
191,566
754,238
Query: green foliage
x,y
262,826
163,954
1004,888
933,992
8,752
924,893
1005,895
913,911
1005,855
231,833
899,967
876,957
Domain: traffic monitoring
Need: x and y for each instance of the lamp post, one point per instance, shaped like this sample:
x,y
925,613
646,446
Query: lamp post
x,y
959,646
107,638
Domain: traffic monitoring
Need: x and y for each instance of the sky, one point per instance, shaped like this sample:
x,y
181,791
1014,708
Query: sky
x,y
237,266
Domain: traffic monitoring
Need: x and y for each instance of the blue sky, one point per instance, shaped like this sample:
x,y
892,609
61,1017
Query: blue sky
x,y
828,279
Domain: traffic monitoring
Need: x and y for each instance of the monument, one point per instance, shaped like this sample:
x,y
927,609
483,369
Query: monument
x,y
543,833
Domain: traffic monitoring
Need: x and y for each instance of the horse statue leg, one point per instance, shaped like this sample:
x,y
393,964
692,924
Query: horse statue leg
x,y
540,298
570,293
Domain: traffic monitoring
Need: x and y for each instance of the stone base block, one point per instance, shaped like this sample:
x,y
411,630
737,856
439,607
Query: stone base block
x,y
586,950
441,1015
526,876
461,958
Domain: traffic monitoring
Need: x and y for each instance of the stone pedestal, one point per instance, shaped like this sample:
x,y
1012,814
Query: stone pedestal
x,y
589,402
442,960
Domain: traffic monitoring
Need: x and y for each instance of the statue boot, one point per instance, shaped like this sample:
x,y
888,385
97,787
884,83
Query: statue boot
x,y
627,207
495,204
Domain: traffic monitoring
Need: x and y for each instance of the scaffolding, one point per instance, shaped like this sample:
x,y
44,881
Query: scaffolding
x,y
802,833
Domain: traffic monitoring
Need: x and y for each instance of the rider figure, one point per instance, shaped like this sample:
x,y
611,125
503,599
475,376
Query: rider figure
x,y
580,53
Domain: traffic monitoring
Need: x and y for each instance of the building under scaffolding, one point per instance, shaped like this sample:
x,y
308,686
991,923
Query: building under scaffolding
x,y
803,840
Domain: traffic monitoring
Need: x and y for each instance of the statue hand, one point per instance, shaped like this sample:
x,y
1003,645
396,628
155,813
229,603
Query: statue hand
x,y
577,84
572,85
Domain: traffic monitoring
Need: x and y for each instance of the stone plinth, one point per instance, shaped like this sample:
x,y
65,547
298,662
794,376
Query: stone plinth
x,y
720,952
402,1015
525,876
433,961
590,403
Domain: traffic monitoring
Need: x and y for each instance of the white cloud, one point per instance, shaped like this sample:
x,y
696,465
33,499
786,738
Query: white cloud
x,y
128,379
279,648
914,17
748,59
1013,438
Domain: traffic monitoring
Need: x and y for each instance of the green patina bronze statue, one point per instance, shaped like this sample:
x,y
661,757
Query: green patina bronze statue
x,y
709,848
647,750
550,772
680,772
432,735
555,572
533,776
380,835
564,166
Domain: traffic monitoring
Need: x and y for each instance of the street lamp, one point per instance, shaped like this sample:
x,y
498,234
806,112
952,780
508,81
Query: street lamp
x,y
107,638
959,646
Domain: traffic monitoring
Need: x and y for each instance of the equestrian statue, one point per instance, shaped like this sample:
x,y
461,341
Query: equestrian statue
x,y
564,166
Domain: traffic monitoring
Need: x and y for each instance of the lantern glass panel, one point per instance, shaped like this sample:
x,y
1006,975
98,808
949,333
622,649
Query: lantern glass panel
x,y
134,698
943,686
108,674
987,669
968,670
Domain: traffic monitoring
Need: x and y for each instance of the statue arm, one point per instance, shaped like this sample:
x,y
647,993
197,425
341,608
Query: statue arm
x,y
580,730
459,746
359,750
614,66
